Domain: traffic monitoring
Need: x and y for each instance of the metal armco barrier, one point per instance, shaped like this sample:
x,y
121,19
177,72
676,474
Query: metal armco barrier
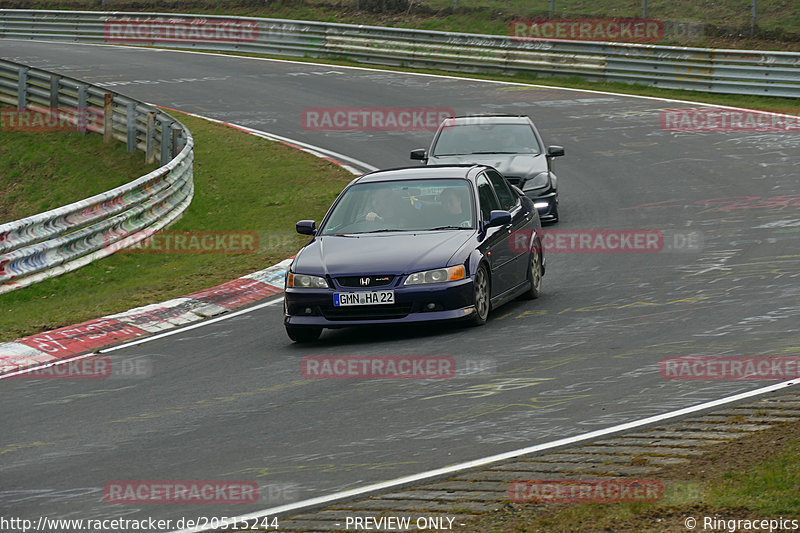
x,y
721,71
61,240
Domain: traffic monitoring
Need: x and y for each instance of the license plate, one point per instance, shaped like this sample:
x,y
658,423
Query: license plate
x,y
341,299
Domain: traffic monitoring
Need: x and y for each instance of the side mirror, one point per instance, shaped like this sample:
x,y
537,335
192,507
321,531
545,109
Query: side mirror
x,y
306,227
498,217
555,151
420,154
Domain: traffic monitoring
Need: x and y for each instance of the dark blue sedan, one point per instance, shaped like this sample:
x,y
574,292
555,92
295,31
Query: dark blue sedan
x,y
415,244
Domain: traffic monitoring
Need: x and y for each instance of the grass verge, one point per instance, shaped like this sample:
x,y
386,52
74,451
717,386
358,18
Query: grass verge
x,y
72,167
752,478
242,184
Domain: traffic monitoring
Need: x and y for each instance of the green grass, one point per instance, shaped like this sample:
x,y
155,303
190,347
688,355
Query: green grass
x,y
727,23
771,487
242,183
71,168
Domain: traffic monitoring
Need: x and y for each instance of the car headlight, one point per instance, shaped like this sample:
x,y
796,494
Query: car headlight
x,y
438,275
537,182
302,281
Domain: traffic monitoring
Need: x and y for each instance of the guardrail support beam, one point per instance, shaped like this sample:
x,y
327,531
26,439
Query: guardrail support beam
x,y
175,135
131,126
166,141
55,91
82,115
108,117
150,139
22,88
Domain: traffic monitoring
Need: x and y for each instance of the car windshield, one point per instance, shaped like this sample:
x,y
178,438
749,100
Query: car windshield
x,y
467,139
409,205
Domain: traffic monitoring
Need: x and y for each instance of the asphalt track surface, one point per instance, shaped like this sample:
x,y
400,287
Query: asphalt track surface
x,y
228,401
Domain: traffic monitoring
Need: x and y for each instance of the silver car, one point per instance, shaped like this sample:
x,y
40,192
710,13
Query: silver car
x,y
509,143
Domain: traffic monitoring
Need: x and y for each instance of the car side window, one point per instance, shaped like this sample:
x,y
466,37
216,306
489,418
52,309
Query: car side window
x,y
486,197
507,199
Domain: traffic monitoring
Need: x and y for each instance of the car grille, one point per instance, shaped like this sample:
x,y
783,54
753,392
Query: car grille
x,y
376,312
374,281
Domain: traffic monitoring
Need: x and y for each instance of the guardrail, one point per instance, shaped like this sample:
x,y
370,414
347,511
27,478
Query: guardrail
x,y
712,70
57,241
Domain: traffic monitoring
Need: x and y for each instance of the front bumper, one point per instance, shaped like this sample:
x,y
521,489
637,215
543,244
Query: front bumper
x,y
549,211
428,303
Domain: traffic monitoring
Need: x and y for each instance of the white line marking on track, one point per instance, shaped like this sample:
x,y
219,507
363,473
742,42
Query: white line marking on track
x,y
372,69
394,483
193,326
144,339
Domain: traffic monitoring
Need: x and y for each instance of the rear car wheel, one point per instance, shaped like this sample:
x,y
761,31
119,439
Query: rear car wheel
x,y
303,333
481,286
535,275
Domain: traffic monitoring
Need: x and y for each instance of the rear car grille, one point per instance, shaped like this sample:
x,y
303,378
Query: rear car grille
x,y
359,281
375,312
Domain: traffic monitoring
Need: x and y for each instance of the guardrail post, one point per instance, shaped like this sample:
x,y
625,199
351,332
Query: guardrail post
x,y
150,139
55,91
22,88
175,135
131,126
82,117
166,141
108,117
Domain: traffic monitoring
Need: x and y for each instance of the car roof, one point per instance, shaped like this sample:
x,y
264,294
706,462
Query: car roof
x,y
421,173
488,119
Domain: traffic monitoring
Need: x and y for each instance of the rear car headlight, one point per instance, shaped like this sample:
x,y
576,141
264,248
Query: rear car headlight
x,y
303,281
537,182
439,275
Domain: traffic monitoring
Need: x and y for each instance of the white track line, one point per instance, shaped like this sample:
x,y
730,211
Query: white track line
x,y
362,491
320,62
193,326
145,339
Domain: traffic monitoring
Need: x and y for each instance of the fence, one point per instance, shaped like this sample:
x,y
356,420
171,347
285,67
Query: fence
x,y
712,70
57,241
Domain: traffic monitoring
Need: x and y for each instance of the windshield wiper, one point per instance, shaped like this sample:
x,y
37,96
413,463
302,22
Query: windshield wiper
x,y
493,152
447,227
381,230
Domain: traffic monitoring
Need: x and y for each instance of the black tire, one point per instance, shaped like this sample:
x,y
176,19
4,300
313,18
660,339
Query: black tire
x,y
481,287
303,333
534,275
